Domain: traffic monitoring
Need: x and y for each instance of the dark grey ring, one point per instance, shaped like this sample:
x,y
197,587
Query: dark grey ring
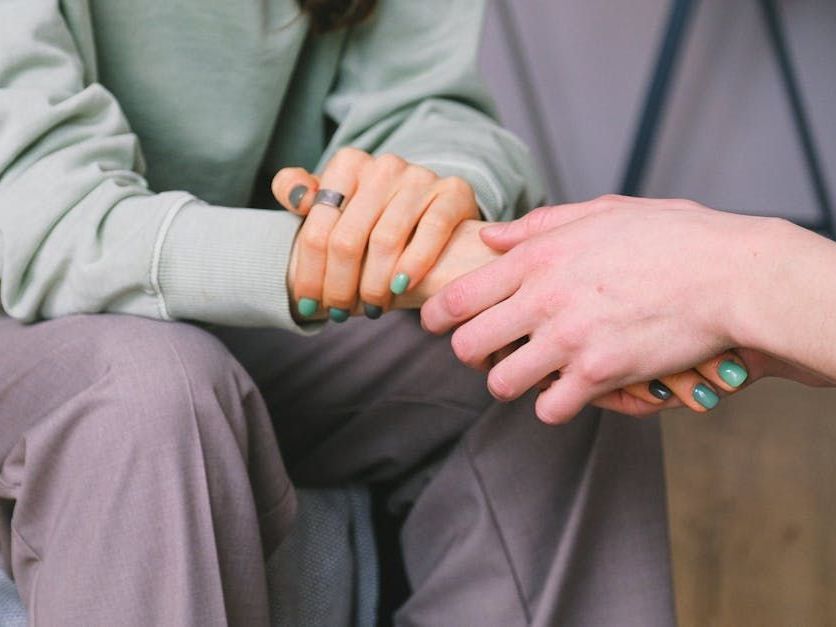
x,y
329,197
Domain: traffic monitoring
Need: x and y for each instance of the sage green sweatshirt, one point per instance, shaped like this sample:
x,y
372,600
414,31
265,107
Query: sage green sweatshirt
x,y
138,140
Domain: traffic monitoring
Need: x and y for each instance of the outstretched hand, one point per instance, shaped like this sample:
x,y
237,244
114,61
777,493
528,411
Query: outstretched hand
x,y
610,293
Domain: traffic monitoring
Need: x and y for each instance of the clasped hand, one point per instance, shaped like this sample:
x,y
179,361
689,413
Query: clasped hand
x,y
394,222
539,316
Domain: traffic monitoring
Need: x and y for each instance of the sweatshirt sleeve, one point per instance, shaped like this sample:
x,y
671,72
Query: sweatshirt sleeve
x,y
80,232
409,84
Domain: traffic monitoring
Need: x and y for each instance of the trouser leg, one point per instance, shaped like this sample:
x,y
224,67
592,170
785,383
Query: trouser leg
x,y
142,474
570,528
512,522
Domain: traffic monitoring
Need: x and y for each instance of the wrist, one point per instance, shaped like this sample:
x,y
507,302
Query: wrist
x,y
761,262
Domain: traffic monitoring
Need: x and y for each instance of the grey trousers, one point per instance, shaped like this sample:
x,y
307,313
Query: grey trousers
x,y
141,482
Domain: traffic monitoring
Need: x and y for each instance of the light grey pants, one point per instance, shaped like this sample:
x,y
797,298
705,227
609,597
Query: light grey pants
x,y
141,483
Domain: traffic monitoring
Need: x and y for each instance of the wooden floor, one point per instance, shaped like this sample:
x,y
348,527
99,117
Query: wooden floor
x,y
752,494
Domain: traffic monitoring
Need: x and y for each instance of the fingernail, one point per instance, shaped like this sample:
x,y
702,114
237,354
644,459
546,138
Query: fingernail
x,y
399,283
296,195
659,390
307,307
705,396
733,374
372,311
338,315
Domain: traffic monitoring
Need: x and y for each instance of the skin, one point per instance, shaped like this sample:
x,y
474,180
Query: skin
x,y
463,252
397,217
619,290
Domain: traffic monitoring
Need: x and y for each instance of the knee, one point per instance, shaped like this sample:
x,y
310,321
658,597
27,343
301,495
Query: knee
x,y
162,385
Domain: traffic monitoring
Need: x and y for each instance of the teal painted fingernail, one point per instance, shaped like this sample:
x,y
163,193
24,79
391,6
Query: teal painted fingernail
x,y
296,195
399,283
338,315
733,374
372,311
705,396
307,307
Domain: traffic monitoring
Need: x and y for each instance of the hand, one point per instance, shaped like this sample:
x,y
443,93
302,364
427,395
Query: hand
x,y
464,253
609,293
723,375
394,223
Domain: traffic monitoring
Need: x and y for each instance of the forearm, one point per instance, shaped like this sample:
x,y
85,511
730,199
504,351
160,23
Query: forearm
x,y
788,300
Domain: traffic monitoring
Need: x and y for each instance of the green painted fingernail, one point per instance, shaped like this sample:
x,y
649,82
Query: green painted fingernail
x,y
733,374
659,390
296,195
705,396
399,283
307,307
372,311
338,315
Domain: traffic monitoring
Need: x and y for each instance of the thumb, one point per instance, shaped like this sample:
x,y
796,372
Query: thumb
x,y
504,236
295,189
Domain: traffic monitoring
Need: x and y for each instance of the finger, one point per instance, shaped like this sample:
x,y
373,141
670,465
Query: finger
x,y
693,390
446,211
564,399
726,371
493,329
624,402
387,242
471,294
341,176
295,189
351,235
504,236
501,354
654,393
523,370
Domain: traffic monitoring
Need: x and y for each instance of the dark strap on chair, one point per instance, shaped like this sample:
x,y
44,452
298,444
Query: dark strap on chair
x,y
658,90
778,39
655,100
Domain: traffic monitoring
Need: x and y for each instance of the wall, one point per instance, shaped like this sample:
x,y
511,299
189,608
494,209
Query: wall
x,y
728,140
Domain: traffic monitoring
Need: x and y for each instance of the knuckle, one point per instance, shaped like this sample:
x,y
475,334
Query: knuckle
x,y
346,244
422,260
685,203
457,186
547,308
596,367
315,239
456,298
385,241
389,164
536,220
612,199
419,176
348,155
436,222
607,201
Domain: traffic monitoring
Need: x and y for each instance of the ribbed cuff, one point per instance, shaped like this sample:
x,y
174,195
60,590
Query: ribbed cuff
x,y
228,266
